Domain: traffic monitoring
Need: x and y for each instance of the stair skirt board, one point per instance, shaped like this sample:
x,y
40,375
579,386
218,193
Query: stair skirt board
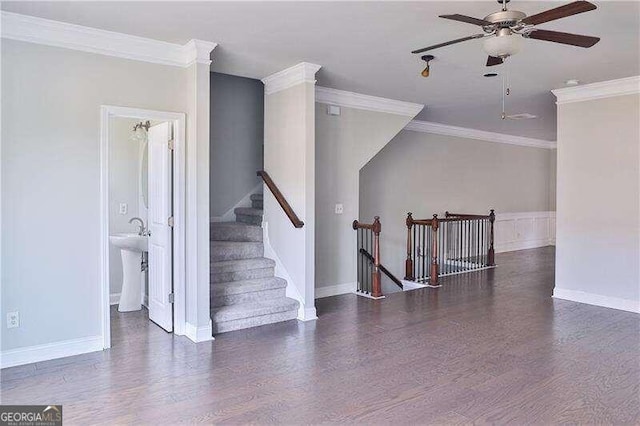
x,y
245,292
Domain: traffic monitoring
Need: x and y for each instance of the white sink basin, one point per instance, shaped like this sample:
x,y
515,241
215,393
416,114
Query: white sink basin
x,y
132,242
131,247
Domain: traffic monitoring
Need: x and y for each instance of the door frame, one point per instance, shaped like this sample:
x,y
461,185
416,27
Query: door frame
x,y
107,112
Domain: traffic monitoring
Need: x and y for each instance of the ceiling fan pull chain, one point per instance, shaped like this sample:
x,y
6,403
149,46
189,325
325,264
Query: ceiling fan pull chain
x,y
503,92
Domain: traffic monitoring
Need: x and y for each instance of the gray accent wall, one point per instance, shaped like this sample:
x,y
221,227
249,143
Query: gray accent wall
x,y
426,173
51,181
237,129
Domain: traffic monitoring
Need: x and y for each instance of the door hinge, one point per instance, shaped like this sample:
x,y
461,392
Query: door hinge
x,y
172,298
170,221
171,144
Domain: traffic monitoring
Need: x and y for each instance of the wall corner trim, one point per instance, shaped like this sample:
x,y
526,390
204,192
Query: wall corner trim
x,y
464,132
304,72
602,89
597,300
47,351
92,40
326,95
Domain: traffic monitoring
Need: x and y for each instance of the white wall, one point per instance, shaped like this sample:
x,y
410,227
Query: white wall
x,y
427,173
344,144
598,215
289,158
124,162
51,101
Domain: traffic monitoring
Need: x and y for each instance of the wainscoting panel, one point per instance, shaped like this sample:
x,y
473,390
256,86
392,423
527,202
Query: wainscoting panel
x,y
525,230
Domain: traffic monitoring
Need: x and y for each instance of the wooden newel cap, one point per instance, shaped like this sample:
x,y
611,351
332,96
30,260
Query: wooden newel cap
x,y
409,220
377,226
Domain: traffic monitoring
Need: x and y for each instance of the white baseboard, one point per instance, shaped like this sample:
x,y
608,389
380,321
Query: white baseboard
x,y
412,285
335,290
597,300
114,298
38,353
199,334
229,215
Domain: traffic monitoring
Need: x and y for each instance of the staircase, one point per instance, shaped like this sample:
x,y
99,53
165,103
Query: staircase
x,y
244,290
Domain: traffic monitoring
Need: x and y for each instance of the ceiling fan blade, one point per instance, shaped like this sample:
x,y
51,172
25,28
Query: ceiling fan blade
x,y
459,40
466,19
574,8
564,38
492,60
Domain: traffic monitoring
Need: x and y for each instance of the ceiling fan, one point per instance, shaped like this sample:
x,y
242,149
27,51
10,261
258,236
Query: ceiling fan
x,y
503,31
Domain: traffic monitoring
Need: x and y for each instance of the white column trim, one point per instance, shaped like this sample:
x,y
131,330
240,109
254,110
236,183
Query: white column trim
x,y
304,72
602,89
86,39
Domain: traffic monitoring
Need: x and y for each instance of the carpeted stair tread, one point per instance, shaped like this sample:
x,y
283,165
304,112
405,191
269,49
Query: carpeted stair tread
x,y
242,264
254,309
248,211
256,197
247,286
235,250
235,231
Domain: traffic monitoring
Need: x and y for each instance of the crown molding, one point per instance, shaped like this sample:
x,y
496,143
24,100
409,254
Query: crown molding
x,y
603,89
77,37
346,99
463,132
304,72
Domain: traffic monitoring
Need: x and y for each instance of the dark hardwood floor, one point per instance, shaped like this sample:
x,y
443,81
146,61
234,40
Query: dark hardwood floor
x,y
487,347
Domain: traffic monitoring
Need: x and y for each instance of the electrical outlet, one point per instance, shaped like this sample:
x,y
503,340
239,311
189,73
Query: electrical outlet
x,y
13,319
339,209
123,208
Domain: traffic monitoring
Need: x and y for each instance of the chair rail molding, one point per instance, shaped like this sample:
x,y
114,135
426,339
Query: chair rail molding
x,y
464,132
602,89
304,72
326,95
77,37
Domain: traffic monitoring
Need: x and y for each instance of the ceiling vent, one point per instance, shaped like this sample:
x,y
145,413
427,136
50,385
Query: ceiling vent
x,y
522,116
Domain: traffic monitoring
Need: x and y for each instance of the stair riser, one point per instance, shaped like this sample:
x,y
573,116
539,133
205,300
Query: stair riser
x,y
248,274
254,296
252,220
236,252
223,327
248,234
257,204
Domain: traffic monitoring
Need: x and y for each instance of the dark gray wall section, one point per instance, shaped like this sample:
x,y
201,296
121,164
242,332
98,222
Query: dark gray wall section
x,y
237,127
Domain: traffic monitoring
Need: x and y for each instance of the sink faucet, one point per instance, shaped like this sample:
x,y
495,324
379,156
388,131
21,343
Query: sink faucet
x,y
142,229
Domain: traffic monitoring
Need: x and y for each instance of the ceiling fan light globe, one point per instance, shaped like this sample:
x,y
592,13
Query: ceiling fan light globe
x,y
503,46
425,72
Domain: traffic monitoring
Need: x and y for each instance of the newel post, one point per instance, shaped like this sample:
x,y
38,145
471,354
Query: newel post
x,y
408,264
433,276
376,279
492,254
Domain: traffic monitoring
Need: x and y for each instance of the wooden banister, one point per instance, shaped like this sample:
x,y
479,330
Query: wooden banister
x,y
295,220
375,228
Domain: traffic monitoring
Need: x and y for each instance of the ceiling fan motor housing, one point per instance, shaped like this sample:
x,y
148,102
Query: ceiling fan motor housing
x,y
505,18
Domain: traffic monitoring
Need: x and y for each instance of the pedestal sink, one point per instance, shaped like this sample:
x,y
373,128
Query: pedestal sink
x,y
131,247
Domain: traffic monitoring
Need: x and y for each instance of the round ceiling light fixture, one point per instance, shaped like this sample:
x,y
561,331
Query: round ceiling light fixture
x,y
503,44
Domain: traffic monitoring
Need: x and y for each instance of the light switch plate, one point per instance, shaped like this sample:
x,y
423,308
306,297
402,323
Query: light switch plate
x,y
123,208
339,209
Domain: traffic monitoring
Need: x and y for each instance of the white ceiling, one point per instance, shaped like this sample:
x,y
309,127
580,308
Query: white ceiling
x,y
365,48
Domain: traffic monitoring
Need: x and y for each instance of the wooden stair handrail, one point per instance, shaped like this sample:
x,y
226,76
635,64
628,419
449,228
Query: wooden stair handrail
x,y
382,268
295,220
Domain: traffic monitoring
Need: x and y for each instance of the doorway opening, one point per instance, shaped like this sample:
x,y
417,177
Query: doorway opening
x,y
142,220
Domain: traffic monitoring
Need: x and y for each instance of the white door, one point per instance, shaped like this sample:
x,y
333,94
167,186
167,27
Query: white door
x,y
161,235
